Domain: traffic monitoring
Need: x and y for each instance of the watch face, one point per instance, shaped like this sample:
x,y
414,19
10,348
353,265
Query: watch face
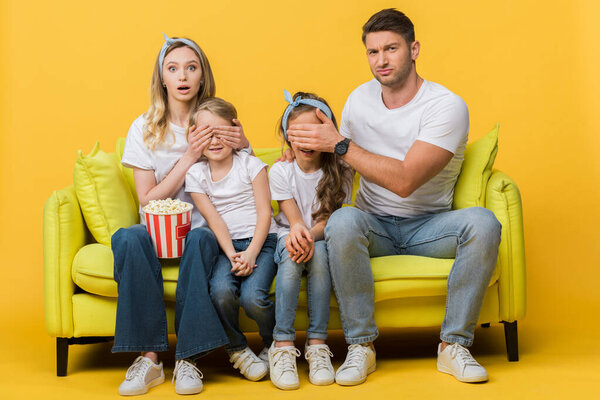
x,y
341,147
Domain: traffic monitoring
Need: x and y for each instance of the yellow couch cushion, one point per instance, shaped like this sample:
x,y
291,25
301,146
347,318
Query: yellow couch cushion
x,y
103,193
470,189
395,276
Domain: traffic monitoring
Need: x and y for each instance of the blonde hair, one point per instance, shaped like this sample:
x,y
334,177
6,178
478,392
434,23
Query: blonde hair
x,y
336,182
157,124
216,106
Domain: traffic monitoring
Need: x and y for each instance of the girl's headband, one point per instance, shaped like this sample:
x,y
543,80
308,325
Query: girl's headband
x,y
295,103
168,42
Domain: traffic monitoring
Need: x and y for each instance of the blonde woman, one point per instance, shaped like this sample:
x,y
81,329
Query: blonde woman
x,y
160,154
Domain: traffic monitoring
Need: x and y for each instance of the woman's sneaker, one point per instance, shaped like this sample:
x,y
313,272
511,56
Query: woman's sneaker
x,y
187,378
252,367
458,361
360,362
141,376
320,370
282,367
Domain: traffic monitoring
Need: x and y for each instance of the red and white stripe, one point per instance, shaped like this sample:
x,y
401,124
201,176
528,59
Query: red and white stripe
x,y
168,233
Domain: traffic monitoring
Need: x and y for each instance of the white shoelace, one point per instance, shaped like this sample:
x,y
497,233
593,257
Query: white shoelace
x,y
284,357
318,357
463,356
357,353
244,359
138,369
184,368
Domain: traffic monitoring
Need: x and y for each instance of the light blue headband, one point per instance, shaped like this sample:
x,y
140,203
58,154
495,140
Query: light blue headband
x,y
168,42
295,103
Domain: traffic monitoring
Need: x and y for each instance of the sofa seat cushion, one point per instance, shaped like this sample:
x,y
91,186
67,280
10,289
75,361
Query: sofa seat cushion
x,y
395,276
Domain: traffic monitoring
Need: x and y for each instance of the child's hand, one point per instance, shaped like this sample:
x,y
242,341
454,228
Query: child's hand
x,y
299,244
245,262
199,138
232,136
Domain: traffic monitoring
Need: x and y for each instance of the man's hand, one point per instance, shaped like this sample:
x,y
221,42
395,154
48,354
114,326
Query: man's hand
x,y
320,137
299,243
232,136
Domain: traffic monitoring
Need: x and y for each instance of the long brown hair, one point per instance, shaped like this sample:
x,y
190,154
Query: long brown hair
x,y
336,182
157,124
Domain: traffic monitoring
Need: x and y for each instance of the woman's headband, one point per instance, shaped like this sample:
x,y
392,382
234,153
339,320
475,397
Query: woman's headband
x,y
295,103
168,42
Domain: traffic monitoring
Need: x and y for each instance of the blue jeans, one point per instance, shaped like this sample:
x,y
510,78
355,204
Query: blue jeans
x,y
287,289
228,292
471,236
141,316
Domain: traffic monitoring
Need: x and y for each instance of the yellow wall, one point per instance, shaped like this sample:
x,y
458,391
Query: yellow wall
x,y
74,72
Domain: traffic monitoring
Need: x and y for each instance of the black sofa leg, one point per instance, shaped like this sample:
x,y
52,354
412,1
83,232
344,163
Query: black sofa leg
x,y
512,340
62,356
486,325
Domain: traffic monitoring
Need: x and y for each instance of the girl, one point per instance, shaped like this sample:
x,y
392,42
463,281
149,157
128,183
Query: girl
x,y
308,190
157,150
231,191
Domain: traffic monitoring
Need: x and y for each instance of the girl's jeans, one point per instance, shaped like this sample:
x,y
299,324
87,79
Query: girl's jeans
x,y
141,316
287,289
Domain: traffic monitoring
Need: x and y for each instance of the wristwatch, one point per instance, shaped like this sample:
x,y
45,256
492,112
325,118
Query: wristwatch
x,y
341,147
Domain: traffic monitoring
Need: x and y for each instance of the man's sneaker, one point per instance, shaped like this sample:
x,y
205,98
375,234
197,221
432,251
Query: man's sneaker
x,y
282,366
458,361
264,355
320,370
359,363
252,367
187,378
141,376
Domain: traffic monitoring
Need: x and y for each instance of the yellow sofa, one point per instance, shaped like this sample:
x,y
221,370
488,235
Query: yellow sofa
x,y
81,295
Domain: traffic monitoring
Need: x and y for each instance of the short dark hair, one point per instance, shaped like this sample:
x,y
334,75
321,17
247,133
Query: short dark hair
x,y
392,20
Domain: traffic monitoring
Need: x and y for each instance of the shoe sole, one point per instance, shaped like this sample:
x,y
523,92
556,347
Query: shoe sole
x,y
254,378
473,379
323,383
353,383
189,391
144,390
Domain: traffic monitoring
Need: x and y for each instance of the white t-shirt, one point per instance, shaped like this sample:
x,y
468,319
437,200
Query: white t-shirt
x,y
288,181
435,115
232,195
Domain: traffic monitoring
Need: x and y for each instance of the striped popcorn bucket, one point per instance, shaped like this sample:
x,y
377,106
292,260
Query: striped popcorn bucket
x,y
168,232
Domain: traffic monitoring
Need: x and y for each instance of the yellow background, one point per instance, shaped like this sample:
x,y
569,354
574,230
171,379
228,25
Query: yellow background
x,y
74,72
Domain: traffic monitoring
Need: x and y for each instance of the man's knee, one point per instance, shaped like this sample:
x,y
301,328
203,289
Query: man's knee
x,y
344,223
483,224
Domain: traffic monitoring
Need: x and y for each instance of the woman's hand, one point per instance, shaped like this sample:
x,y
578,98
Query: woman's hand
x,y
299,243
232,136
286,155
199,138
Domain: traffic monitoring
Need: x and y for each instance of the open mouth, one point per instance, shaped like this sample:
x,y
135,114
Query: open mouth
x,y
215,149
306,152
183,88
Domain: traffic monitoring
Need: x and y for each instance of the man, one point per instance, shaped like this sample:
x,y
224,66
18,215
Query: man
x,y
406,137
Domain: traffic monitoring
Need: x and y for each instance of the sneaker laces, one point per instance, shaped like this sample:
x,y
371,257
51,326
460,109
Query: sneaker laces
x,y
244,359
318,356
463,356
357,353
185,368
138,369
284,358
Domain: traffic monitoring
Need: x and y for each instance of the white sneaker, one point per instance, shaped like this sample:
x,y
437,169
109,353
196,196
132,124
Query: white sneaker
x,y
282,364
320,370
360,362
252,367
187,378
141,376
264,355
458,361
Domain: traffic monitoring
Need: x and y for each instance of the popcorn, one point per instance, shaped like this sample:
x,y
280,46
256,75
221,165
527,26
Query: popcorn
x,y
167,207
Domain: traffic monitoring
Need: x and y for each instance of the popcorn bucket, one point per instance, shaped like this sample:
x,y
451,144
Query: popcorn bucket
x,y
168,232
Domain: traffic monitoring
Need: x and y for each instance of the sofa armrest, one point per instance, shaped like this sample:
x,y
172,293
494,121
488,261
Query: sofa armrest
x,y
64,235
504,199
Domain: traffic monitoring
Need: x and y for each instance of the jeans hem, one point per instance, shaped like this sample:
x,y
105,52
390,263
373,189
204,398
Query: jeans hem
x,y
181,355
130,349
282,338
230,350
316,335
362,339
457,339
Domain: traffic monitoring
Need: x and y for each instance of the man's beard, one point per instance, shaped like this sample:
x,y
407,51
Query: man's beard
x,y
398,78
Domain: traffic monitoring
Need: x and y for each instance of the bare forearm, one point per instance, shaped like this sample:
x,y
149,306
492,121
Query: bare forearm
x,y
317,231
263,223
220,230
169,186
